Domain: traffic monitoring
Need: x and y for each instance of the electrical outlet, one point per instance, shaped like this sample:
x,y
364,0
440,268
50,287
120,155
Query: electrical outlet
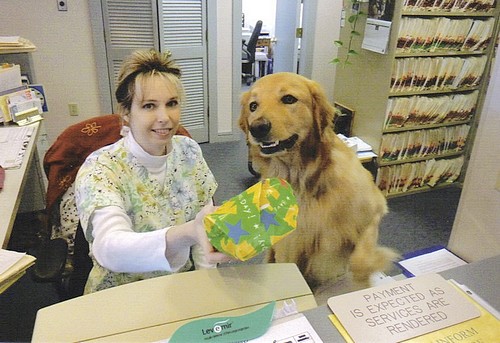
x,y
73,109
62,5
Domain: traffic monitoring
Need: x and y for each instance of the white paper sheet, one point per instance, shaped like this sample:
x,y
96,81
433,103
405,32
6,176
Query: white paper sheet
x,y
13,143
290,329
433,262
377,33
8,258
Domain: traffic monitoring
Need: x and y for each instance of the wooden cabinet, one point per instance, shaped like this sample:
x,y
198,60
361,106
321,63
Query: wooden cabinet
x,y
418,105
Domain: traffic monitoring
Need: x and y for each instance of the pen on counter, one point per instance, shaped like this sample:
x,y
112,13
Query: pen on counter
x,y
2,177
477,298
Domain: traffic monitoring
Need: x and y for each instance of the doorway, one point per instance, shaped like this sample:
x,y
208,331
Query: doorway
x,y
281,19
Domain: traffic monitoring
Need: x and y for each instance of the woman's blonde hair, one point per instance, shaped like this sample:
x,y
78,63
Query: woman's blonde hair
x,y
143,64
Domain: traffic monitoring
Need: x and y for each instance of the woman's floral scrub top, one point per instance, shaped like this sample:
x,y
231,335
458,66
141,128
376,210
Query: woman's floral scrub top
x,y
113,176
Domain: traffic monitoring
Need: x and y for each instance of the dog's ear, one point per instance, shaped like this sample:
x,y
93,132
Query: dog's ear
x,y
323,111
243,122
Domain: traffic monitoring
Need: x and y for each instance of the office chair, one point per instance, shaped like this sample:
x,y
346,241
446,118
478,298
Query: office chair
x,y
63,253
248,55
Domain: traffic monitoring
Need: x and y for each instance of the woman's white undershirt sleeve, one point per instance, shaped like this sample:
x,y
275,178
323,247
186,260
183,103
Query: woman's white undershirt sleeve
x,y
118,248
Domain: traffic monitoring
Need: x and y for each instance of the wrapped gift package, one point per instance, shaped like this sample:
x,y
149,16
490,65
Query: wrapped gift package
x,y
251,222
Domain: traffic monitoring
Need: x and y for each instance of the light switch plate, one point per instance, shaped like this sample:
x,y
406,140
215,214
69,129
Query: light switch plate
x,y
73,109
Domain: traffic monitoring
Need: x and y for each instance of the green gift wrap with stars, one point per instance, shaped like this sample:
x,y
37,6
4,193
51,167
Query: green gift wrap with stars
x,y
254,220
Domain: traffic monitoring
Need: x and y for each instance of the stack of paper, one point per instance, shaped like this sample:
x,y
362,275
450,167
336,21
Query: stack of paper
x,y
356,142
449,5
423,143
13,143
10,41
401,178
13,265
16,43
363,150
10,77
436,73
424,110
437,34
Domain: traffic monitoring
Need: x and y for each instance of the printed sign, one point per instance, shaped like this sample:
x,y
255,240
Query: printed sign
x,y
226,329
401,310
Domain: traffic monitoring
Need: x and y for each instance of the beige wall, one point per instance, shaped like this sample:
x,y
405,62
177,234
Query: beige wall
x,y
226,122
326,32
476,230
64,62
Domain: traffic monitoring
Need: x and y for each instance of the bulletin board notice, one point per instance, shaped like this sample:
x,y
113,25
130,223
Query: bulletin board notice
x,y
402,310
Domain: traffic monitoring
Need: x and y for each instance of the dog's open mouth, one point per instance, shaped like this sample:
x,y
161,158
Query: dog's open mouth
x,y
269,148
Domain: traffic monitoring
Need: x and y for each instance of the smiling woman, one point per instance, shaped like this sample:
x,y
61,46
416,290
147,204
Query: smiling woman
x,y
141,200
154,115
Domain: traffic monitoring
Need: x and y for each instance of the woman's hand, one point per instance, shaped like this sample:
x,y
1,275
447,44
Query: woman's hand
x,y
180,238
211,254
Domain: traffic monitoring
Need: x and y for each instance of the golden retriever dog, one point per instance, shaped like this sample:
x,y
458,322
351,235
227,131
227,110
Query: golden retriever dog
x,y
288,124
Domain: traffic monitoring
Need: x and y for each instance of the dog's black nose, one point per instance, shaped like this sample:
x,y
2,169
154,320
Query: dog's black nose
x,y
260,128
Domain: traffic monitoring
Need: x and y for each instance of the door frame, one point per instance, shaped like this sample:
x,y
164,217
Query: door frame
x,y
287,20
104,86
306,44
106,91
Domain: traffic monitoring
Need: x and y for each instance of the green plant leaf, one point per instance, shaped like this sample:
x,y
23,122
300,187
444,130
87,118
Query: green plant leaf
x,y
355,14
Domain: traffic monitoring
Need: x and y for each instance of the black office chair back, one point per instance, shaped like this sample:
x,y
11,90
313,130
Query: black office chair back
x,y
251,45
